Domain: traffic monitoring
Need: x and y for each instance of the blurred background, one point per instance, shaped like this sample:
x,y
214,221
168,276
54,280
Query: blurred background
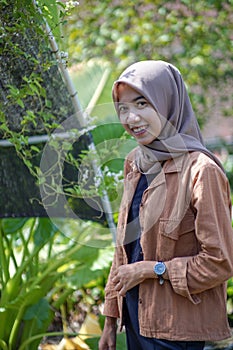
x,y
58,61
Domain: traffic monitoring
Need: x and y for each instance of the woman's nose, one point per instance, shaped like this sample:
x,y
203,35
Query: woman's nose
x,y
132,117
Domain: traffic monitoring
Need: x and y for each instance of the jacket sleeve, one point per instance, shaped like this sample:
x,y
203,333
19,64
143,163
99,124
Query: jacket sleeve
x,y
111,296
111,304
213,265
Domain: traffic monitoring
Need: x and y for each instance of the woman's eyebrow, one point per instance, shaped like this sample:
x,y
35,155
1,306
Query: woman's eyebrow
x,y
138,98
133,100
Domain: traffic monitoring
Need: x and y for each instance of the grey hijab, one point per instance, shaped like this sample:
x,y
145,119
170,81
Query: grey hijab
x,y
162,85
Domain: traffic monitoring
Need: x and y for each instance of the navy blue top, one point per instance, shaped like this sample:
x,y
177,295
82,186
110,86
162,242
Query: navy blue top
x,y
133,232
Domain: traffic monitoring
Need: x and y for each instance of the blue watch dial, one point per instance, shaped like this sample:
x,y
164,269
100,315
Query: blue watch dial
x,y
159,268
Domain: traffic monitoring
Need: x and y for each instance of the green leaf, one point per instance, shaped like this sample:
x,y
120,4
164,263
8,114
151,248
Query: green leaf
x,y
51,14
20,102
121,342
11,290
44,231
82,277
93,266
93,72
13,225
26,297
107,131
104,259
34,148
38,312
86,254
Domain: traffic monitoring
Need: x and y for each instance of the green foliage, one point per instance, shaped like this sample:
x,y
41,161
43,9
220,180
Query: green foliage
x,y
196,36
229,170
155,29
29,75
86,78
27,108
38,313
230,299
121,342
39,271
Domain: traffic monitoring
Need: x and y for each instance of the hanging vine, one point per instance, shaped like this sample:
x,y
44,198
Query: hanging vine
x,y
34,101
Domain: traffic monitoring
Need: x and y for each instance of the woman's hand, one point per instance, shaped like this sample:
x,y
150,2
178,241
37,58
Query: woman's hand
x,y
108,338
128,276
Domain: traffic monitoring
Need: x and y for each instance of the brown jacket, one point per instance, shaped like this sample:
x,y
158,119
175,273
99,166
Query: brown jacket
x,y
185,218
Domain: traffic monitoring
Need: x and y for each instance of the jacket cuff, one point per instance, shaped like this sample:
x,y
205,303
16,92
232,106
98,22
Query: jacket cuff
x,y
111,307
177,271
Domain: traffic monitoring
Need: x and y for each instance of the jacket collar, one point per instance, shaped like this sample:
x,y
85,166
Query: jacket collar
x,y
174,165
171,166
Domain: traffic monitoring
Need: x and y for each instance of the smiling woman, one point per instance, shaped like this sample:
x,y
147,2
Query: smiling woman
x,y
137,115
171,264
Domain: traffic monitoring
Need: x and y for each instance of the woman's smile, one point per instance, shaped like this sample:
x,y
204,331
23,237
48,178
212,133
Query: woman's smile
x,y
138,129
137,115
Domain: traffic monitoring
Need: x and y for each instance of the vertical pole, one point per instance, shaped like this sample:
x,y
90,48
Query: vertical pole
x,y
78,110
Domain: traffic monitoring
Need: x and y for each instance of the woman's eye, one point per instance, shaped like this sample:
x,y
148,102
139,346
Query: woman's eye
x,y
141,104
123,109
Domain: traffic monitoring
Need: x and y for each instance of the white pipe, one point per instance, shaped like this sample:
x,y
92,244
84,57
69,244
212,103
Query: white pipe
x,y
98,91
78,109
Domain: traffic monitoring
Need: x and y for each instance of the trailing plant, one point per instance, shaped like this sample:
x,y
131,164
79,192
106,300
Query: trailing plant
x,y
35,102
29,75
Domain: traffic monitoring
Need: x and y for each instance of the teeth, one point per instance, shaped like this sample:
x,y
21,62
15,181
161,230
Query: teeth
x,y
140,128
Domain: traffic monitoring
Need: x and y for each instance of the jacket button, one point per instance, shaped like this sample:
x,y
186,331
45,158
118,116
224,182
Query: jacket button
x,y
140,301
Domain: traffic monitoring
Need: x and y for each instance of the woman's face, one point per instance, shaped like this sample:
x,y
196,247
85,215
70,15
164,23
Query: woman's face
x,y
137,115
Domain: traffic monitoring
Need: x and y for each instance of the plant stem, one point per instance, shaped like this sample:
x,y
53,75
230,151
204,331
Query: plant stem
x,y
57,304
56,264
63,317
11,250
3,345
26,241
4,266
13,335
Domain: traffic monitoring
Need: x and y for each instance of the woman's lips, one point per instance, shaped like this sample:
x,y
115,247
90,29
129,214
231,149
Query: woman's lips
x,y
138,130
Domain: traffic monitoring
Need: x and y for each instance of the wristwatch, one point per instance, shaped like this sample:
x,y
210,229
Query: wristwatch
x,y
159,270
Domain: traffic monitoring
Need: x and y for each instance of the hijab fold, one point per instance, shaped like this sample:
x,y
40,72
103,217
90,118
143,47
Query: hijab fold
x,y
162,85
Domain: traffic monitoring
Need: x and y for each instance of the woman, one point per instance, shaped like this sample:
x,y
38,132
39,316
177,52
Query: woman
x,y
173,256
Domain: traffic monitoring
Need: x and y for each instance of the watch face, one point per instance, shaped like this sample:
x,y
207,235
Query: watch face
x,y
159,268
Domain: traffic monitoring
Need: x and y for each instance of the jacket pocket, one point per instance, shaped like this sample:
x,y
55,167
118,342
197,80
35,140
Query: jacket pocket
x,y
176,238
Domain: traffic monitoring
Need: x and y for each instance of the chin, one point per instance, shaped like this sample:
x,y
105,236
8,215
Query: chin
x,y
144,143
